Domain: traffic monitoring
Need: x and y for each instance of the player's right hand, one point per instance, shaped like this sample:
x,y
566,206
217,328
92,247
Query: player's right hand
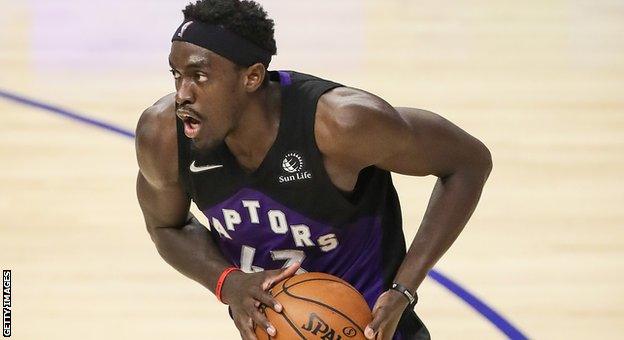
x,y
245,292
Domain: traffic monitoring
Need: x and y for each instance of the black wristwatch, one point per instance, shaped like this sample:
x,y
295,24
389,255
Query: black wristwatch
x,y
412,298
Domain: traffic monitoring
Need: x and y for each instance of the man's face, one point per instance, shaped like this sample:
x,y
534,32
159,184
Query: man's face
x,y
209,93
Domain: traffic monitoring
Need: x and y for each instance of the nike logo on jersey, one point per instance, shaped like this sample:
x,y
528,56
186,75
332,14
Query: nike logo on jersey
x,y
201,168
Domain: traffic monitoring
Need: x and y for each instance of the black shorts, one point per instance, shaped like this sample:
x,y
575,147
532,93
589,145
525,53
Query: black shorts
x,y
410,327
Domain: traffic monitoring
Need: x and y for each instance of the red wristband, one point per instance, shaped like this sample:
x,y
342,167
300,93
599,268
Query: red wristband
x,y
222,278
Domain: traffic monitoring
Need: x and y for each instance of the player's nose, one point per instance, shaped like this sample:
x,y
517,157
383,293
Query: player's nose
x,y
184,94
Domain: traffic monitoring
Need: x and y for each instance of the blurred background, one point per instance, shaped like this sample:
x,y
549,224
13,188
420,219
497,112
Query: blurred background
x,y
541,83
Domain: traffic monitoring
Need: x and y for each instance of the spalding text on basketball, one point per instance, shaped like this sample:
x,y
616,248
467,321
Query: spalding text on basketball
x,y
317,326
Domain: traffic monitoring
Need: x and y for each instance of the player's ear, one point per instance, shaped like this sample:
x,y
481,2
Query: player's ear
x,y
254,77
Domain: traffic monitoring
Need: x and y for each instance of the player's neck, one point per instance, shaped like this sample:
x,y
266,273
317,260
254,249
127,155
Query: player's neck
x,y
257,128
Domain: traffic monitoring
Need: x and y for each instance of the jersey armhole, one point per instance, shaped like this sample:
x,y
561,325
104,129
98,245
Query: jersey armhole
x,y
351,199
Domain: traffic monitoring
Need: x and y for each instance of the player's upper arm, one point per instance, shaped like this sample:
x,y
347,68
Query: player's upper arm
x,y
364,130
161,195
156,141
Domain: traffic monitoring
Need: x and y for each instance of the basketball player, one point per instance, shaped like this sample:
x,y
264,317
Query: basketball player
x,y
293,174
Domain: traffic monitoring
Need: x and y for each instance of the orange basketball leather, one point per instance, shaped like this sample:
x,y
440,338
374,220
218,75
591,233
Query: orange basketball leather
x,y
317,306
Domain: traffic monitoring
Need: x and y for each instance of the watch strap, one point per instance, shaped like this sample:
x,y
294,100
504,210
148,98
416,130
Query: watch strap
x,y
411,298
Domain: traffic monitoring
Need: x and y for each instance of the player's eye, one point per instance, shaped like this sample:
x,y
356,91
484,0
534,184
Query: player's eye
x,y
201,77
175,73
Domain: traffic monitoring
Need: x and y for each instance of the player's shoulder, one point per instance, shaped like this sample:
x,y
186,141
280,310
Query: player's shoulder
x,y
159,115
156,138
156,124
346,115
347,109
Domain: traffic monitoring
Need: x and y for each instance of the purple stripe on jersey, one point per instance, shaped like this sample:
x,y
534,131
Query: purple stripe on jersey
x,y
256,232
285,79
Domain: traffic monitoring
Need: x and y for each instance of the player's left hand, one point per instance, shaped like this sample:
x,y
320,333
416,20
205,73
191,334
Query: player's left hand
x,y
386,315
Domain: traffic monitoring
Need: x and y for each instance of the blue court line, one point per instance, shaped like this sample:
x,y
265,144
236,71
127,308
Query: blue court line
x,y
477,304
495,318
66,113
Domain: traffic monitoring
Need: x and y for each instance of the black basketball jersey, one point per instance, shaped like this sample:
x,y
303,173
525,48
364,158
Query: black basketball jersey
x,y
288,209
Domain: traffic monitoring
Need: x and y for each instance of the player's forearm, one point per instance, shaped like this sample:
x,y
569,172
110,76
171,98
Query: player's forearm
x,y
452,202
191,251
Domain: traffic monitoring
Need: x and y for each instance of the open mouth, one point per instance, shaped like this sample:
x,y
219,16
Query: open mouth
x,y
191,124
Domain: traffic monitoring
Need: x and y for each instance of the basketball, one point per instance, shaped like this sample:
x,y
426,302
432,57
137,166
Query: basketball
x,y
317,306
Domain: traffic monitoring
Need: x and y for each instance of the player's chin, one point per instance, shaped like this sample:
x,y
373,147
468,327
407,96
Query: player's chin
x,y
204,144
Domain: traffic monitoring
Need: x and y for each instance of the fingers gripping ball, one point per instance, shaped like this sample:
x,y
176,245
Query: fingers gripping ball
x,y
317,306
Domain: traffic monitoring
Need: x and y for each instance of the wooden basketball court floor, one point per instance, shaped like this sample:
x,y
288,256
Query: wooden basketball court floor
x,y
540,82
